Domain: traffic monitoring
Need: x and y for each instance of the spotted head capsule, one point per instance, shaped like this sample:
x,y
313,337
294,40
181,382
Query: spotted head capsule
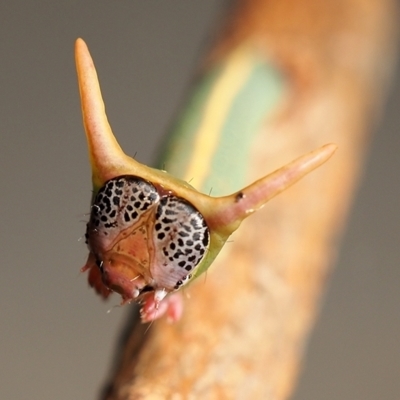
x,y
142,239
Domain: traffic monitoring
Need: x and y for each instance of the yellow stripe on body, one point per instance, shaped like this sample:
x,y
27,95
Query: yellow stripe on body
x,y
233,77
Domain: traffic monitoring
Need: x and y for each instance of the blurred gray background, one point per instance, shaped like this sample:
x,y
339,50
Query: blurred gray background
x,y
56,337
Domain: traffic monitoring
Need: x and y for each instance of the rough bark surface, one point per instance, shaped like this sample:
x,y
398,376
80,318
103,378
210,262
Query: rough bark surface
x,y
245,324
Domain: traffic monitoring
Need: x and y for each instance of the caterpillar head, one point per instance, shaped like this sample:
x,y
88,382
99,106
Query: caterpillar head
x,y
143,239
149,233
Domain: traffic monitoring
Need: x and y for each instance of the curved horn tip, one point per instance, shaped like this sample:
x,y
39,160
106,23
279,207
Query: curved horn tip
x,y
229,211
327,150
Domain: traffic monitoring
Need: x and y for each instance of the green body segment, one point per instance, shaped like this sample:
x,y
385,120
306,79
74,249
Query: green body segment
x,y
227,109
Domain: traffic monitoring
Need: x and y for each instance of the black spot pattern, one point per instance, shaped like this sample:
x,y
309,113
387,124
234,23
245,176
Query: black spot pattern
x,y
182,281
119,204
182,234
